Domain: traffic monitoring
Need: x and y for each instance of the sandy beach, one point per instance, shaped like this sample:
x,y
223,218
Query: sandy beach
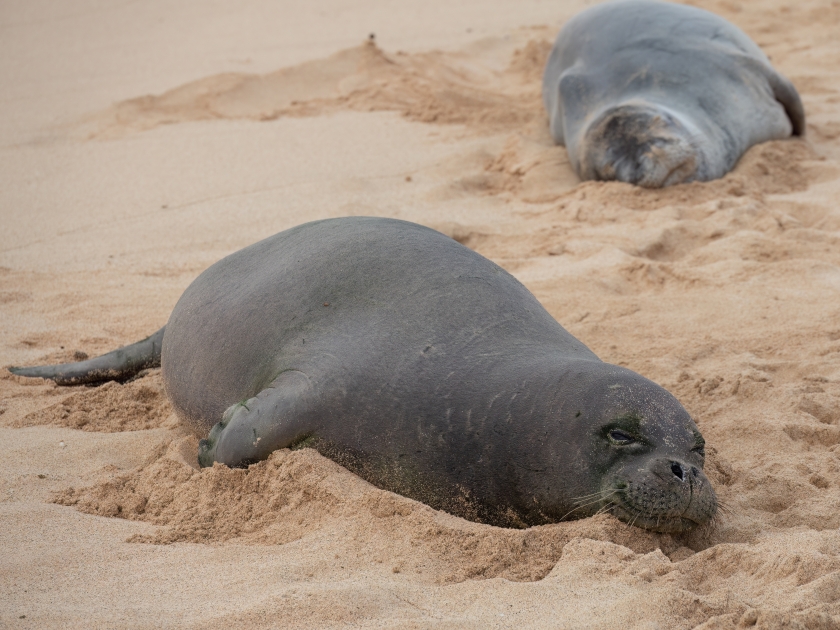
x,y
142,142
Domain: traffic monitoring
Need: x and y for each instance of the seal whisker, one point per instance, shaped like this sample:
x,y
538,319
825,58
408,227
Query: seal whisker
x,y
588,504
563,518
605,509
587,497
724,508
638,513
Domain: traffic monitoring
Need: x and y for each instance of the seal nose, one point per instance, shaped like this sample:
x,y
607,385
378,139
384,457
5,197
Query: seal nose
x,y
678,471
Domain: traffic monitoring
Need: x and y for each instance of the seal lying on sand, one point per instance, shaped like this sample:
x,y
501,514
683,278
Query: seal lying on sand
x,y
426,369
657,94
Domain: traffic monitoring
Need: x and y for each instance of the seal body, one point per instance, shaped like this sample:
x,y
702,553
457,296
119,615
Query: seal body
x,y
429,371
656,94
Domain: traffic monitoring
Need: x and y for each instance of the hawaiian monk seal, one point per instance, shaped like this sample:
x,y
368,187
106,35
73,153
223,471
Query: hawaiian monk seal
x,y
656,94
429,371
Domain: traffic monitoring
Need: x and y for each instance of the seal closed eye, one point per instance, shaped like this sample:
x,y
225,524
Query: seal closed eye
x,y
426,369
656,94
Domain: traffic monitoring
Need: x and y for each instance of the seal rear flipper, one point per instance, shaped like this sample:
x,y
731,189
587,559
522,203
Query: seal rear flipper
x,y
786,94
253,429
117,365
783,91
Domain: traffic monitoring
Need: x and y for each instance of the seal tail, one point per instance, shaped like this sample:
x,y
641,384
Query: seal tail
x,y
117,365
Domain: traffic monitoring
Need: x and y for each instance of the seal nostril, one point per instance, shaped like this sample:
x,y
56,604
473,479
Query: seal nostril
x,y
677,470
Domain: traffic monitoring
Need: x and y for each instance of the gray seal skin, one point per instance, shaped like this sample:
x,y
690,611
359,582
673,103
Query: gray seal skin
x,y
655,94
429,371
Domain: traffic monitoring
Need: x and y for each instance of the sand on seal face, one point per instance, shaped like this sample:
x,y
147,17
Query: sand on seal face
x,y
141,142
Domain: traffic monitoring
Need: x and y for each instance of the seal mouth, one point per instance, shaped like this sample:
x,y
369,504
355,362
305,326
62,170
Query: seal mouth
x,y
664,524
626,502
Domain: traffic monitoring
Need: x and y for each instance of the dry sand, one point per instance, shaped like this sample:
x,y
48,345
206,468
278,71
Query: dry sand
x,y
141,142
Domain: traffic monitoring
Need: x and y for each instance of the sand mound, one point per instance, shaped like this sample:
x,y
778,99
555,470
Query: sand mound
x,y
428,87
533,170
133,406
299,495
295,494
746,215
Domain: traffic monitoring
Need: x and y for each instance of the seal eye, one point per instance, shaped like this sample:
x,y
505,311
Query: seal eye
x,y
620,437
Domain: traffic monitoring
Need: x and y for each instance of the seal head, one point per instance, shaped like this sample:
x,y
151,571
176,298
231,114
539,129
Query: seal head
x,y
617,443
644,145
655,94
652,452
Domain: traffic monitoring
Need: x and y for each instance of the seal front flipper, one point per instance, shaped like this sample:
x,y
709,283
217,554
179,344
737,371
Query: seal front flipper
x,y
570,88
251,430
117,365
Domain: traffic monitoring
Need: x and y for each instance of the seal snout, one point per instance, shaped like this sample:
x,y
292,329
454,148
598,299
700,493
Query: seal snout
x,y
639,144
666,495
